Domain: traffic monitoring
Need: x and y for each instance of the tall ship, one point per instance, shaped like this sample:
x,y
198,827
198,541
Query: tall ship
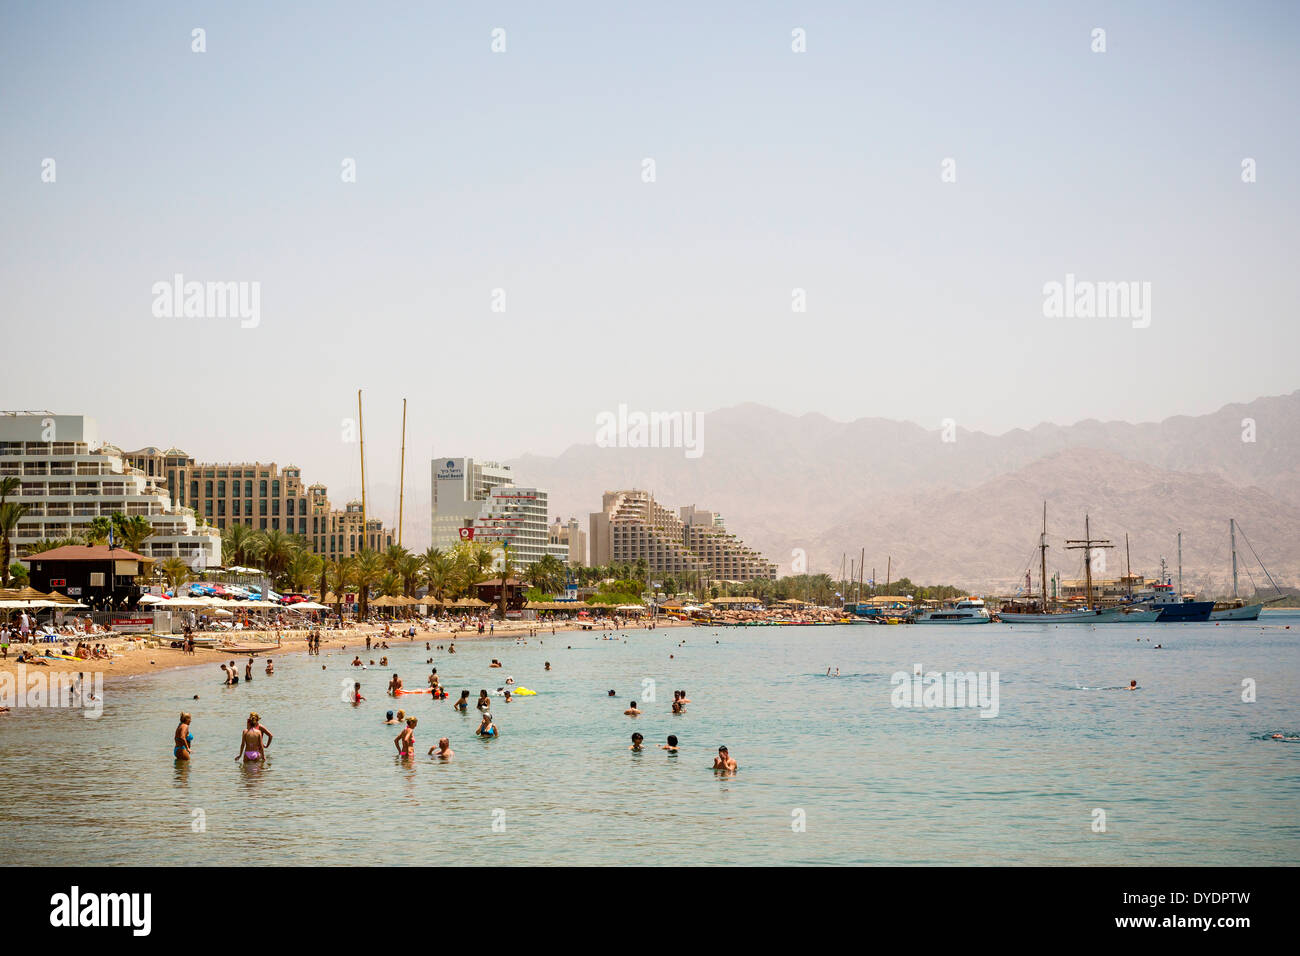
x,y
1043,612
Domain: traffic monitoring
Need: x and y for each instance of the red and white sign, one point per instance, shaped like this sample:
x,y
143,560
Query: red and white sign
x,y
132,623
467,534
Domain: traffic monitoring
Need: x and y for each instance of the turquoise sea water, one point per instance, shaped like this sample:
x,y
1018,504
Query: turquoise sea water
x,y
1182,768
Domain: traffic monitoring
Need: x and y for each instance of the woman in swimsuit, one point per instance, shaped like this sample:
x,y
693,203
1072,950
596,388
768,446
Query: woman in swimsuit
x,y
405,741
483,702
184,739
487,728
463,703
252,746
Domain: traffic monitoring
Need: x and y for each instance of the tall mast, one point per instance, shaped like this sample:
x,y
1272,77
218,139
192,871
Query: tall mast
x,y
1042,547
889,567
1128,562
853,577
862,562
1087,545
401,479
361,430
1232,536
1180,565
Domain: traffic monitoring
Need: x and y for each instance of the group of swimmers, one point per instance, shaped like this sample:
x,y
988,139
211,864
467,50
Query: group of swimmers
x,y
231,671
253,741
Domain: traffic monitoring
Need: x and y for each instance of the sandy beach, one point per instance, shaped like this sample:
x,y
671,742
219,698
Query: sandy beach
x,y
145,654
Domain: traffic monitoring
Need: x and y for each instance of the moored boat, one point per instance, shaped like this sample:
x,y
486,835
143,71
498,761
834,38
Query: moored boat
x,y
967,611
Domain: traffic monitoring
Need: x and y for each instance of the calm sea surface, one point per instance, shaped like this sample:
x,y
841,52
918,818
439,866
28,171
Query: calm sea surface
x,y
1183,768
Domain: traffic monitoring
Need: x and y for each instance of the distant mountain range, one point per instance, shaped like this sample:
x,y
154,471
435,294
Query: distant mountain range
x,y
968,511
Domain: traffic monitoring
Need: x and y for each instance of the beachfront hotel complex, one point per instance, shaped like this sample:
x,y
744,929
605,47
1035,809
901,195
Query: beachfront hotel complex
x,y
69,477
479,501
264,497
632,526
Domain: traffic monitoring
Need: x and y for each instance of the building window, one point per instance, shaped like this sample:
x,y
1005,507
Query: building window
x,y
221,489
261,489
248,489
207,489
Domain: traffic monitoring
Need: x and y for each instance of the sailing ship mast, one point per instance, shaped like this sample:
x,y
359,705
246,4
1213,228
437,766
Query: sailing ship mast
x,y
1042,548
361,430
1087,544
1128,563
1232,536
401,479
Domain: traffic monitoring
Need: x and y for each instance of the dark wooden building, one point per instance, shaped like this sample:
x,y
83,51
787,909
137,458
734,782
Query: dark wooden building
x,y
99,576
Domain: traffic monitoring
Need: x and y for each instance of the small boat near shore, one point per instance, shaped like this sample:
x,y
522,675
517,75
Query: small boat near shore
x,y
967,611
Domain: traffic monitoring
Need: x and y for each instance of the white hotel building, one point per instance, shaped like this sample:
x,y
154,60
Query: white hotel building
x,y
69,477
479,501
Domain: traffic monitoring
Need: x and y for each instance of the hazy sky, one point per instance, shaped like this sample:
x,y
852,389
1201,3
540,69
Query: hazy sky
x,y
523,171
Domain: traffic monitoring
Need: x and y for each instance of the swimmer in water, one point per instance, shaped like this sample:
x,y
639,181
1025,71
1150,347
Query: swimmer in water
x,y
254,741
724,761
356,693
1283,737
632,710
486,728
405,741
671,746
184,739
443,751
389,718
636,742
1133,685
462,704
394,685
356,662
270,666
483,702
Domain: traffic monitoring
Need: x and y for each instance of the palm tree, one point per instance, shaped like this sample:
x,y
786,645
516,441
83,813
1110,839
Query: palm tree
x,y
97,530
238,545
135,530
439,572
340,577
49,544
367,572
10,514
175,572
390,585
275,549
303,569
